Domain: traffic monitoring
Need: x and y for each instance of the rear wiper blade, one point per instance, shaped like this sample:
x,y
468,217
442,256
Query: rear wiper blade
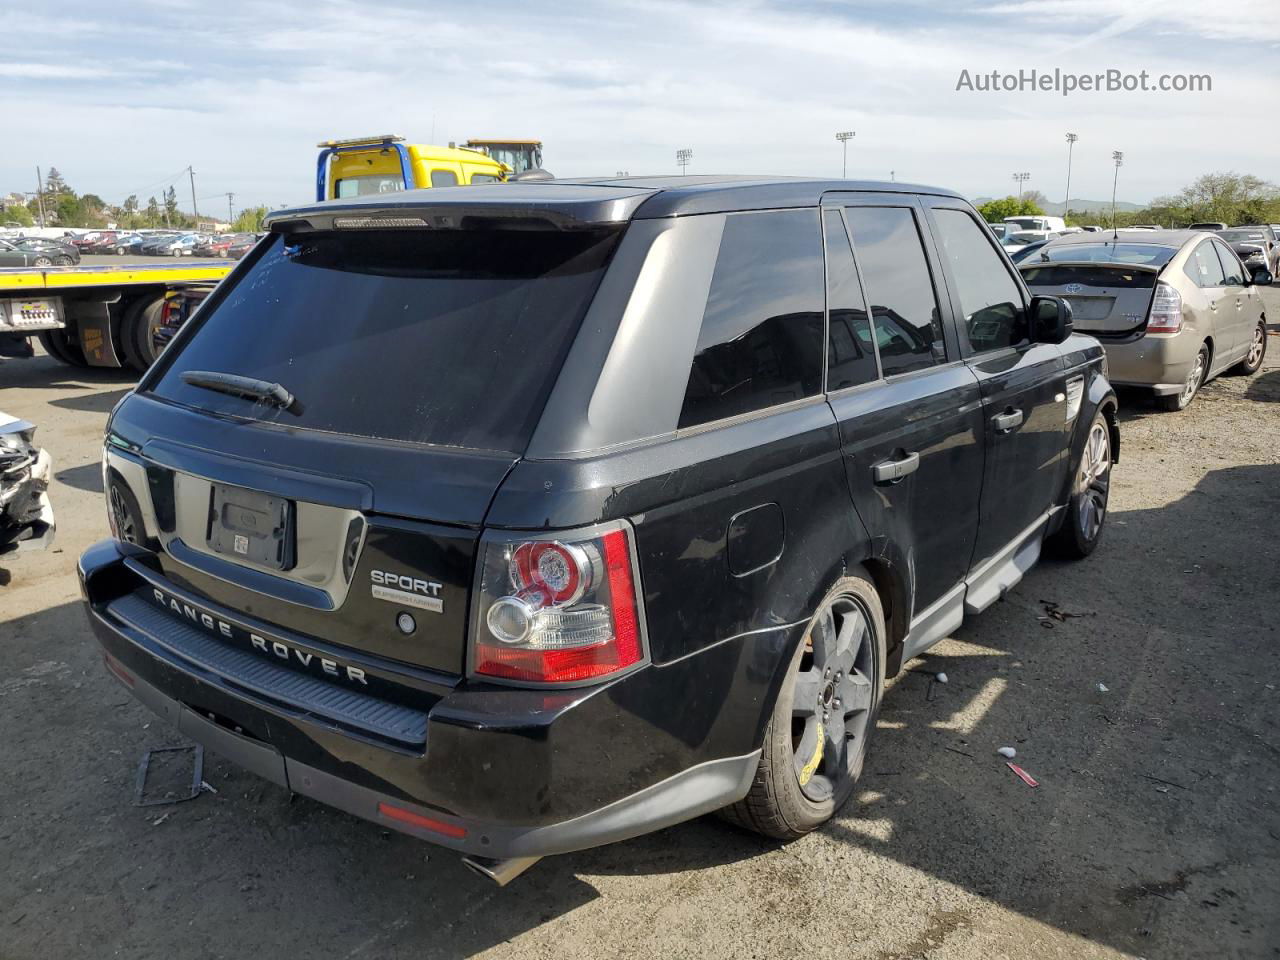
x,y
246,387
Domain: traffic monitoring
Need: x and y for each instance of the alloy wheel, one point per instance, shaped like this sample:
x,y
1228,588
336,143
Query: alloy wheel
x,y
1093,482
1256,348
831,708
126,523
1193,379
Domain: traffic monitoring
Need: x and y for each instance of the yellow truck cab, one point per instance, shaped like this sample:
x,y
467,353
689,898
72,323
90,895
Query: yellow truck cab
x,y
385,164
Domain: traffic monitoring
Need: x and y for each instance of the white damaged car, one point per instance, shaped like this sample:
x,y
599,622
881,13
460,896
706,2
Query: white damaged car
x,y
26,516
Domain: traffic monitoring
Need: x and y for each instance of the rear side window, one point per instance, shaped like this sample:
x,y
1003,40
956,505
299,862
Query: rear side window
x,y
444,178
483,178
450,337
760,343
898,284
851,353
989,299
1203,266
1232,268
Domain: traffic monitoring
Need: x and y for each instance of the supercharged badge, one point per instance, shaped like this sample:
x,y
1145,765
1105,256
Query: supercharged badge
x,y
406,590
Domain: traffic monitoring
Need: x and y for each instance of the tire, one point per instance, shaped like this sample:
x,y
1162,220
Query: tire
x,y
1257,352
120,251
1195,380
42,261
136,331
62,262
806,770
1090,491
57,345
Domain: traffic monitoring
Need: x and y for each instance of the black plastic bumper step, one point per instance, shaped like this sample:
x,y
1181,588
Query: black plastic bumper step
x,y
257,675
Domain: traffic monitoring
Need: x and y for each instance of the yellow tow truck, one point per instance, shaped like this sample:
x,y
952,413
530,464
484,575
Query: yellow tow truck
x,y
384,164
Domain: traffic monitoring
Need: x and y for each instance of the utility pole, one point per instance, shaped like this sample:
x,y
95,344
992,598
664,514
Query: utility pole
x,y
40,196
844,137
194,211
683,156
1021,178
231,214
1066,201
1118,157
893,176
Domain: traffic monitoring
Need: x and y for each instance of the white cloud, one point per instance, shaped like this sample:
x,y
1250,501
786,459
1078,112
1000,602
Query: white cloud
x,y
752,87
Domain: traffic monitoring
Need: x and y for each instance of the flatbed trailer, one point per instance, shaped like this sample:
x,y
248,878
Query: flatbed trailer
x,y
96,316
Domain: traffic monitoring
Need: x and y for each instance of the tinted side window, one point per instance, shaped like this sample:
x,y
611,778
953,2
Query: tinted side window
x,y
1232,268
903,307
851,354
989,299
761,338
444,178
1203,266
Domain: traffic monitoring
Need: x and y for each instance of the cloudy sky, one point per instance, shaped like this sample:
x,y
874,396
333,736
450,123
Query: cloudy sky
x,y
120,97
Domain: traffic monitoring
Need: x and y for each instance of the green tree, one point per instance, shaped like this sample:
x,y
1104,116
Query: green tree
x,y
994,211
151,218
130,210
18,213
1228,197
171,206
54,184
250,220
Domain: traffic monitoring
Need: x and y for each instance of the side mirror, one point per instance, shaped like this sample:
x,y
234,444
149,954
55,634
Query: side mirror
x,y
1050,319
1262,277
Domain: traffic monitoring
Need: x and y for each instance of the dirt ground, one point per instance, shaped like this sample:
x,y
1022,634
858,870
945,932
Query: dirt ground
x,y
1148,720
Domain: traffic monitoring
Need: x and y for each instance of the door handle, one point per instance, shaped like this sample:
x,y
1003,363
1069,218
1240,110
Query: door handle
x,y
1004,422
893,471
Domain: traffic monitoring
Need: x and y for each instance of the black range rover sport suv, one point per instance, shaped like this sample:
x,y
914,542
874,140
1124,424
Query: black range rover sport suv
x,y
529,517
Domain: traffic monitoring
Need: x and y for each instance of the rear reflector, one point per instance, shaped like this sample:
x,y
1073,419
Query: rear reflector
x,y
117,670
418,820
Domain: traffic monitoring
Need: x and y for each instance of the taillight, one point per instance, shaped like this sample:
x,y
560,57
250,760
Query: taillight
x,y
1166,310
166,312
563,610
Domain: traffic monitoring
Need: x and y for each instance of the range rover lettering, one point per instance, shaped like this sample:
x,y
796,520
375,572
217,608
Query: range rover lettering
x,y
542,515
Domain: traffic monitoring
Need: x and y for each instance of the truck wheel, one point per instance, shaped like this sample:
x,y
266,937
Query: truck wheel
x,y
57,345
1087,509
136,329
816,741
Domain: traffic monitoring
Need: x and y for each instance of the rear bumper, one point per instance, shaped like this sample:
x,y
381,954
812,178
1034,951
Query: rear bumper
x,y
1156,362
499,772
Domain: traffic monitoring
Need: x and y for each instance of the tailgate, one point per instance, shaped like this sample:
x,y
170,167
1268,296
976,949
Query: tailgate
x,y
1107,299
332,540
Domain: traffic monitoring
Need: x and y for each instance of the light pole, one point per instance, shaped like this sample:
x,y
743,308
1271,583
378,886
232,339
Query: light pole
x,y
1021,178
1066,201
844,137
683,157
1118,157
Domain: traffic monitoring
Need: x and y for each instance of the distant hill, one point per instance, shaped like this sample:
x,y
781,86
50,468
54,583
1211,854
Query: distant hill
x,y
1080,206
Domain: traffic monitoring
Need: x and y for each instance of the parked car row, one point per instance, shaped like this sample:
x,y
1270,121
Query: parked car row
x,y
33,252
160,243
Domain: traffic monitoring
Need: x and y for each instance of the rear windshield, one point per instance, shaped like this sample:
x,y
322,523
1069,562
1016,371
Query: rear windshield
x,y
1147,253
1242,236
449,337
1111,278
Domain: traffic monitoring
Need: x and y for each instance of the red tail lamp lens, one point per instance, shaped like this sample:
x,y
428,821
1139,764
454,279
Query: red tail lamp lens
x,y
559,611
